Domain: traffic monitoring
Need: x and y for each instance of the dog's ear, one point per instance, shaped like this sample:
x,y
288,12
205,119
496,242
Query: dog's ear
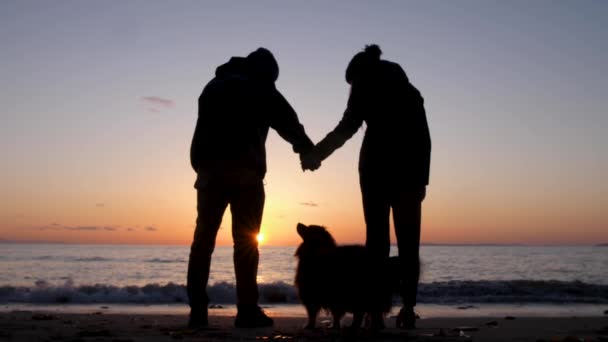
x,y
301,229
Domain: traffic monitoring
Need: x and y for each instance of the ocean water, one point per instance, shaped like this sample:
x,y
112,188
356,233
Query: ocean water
x,y
82,274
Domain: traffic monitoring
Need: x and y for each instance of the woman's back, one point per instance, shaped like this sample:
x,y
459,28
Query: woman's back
x,y
397,137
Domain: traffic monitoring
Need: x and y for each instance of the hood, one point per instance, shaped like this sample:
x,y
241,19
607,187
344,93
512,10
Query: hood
x,y
236,65
392,70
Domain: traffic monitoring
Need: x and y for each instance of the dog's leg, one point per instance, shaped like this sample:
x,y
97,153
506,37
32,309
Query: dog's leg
x,y
337,314
357,319
377,320
312,311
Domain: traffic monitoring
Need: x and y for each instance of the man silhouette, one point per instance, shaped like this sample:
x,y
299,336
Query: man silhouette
x,y
235,111
393,164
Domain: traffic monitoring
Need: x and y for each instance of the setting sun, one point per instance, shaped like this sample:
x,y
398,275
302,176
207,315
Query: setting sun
x,y
260,238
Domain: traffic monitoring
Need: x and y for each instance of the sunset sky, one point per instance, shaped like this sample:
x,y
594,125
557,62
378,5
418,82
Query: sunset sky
x,y
99,103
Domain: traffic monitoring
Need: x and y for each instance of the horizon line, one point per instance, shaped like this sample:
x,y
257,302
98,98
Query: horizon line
x,y
446,244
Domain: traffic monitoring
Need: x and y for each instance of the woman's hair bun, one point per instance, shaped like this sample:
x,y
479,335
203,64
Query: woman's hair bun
x,y
372,51
363,62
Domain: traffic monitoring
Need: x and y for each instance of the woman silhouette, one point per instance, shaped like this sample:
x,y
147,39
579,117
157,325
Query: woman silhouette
x,y
393,164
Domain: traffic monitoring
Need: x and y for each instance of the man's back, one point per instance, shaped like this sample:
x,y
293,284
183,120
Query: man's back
x,y
231,129
236,110
232,125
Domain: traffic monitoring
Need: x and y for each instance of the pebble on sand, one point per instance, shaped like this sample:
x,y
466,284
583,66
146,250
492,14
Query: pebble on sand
x,y
467,329
492,324
43,317
94,333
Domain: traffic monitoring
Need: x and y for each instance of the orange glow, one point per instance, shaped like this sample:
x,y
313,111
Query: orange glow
x,y
163,210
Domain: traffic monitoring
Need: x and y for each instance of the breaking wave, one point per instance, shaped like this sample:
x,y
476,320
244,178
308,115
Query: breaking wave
x,y
452,292
165,261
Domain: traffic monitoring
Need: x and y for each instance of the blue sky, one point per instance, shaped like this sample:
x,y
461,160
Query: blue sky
x,y
516,97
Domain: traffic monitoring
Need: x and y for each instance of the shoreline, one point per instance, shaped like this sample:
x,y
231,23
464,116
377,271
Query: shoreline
x,y
37,325
466,310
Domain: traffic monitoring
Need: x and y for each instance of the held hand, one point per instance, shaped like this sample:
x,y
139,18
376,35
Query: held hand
x,y
310,161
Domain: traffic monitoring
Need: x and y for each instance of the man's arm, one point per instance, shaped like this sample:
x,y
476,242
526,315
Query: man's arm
x,y
195,146
423,136
426,145
285,121
201,130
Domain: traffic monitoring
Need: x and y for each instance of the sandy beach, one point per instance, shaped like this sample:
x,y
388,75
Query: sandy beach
x,y
123,327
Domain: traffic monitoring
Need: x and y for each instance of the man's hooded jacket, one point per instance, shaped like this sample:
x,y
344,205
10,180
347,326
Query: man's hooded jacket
x,y
235,111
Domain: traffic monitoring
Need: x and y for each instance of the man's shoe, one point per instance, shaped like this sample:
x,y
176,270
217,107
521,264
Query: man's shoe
x,y
406,319
375,321
252,317
198,319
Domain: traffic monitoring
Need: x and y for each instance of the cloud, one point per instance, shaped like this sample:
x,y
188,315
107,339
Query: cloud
x,y
151,229
157,101
84,228
57,226
100,205
130,229
309,204
93,228
54,226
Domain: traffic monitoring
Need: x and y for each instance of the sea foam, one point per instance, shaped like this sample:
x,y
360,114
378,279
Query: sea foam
x,y
452,292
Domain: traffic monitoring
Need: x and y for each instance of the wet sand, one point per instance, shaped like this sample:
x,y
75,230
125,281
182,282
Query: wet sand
x,y
100,326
